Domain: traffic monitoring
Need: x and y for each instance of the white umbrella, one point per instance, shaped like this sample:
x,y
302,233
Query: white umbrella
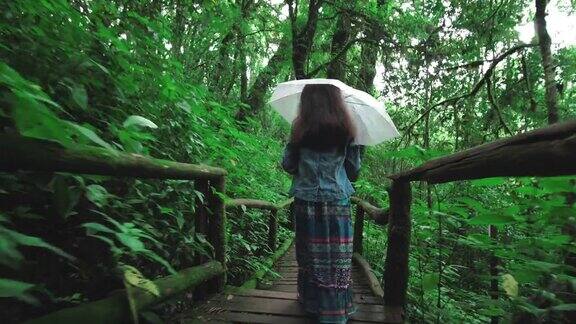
x,y
373,123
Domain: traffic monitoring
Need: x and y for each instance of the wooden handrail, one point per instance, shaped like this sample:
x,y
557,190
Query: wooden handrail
x,y
31,154
378,215
251,203
285,203
115,309
25,153
548,151
258,204
264,205
372,280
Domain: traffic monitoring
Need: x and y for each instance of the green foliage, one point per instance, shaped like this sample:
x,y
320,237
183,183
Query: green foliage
x,y
166,79
16,289
100,73
11,240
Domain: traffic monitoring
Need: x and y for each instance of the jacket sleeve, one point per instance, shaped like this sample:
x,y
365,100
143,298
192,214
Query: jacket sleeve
x,y
352,161
290,159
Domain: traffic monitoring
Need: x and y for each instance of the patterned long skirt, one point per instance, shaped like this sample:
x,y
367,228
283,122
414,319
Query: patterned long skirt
x,y
324,255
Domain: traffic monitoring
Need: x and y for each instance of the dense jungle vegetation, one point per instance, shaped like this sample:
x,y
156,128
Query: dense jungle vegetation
x,y
188,81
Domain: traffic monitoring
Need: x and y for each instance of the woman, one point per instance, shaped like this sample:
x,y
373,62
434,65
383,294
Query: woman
x,y
323,163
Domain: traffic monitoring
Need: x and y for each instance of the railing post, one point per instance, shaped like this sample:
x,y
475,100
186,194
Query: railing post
x,y
359,230
217,229
200,227
396,266
272,229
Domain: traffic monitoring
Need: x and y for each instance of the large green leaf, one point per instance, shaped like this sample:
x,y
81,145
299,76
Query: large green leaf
x,y
510,285
558,184
430,281
79,95
22,239
488,182
23,88
139,121
565,307
97,228
492,218
16,289
66,195
34,120
91,135
136,279
97,195
131,242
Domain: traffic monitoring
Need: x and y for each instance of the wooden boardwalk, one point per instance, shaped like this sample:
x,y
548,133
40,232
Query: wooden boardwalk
x,y
279,305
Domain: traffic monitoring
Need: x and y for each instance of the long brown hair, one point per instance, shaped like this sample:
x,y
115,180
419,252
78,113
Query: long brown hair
x,y
323,121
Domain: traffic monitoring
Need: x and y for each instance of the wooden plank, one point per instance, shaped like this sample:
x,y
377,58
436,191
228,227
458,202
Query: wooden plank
x,y
242,298
292,288
201,320
243,317
240,317
291,263
358,298
371,313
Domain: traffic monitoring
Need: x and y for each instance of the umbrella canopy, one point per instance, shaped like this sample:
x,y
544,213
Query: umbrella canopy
x,y
372,122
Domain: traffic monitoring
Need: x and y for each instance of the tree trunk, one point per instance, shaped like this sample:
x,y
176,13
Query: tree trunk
x,y
547,61
243,74
225,66
369,56
255,99
179,28
336,68
302,40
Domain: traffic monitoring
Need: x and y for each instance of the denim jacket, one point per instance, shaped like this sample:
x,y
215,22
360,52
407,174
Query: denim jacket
x,y
322,176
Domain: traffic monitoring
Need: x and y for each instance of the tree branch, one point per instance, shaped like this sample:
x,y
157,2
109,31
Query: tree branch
x,y
477,86
468,65
337,56
495,105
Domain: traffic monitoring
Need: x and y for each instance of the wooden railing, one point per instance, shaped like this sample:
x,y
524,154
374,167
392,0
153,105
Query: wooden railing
x,y
545,152
28,154
272,217
549,151
22,153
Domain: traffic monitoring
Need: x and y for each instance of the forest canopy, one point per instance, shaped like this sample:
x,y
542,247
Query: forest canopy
x,y
189,81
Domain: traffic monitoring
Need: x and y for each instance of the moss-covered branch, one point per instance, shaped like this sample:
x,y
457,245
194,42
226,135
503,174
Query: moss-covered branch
x,y
25,153
115,309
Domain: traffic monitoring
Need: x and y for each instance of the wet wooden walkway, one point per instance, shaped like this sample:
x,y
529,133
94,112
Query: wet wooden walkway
x,y
279,305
